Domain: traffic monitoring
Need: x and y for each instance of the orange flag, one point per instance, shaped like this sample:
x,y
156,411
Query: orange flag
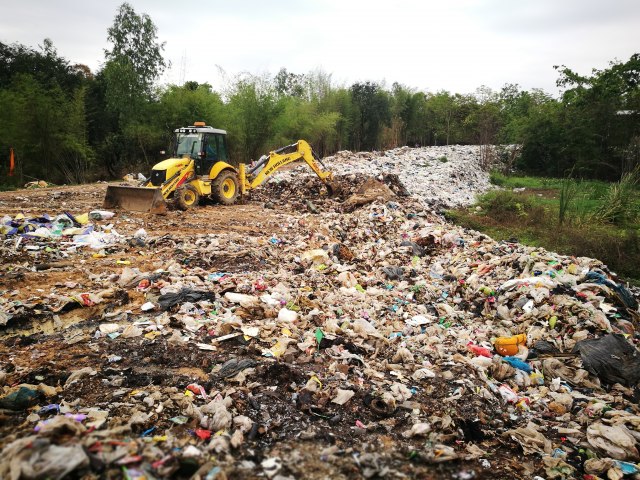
x,y
12,162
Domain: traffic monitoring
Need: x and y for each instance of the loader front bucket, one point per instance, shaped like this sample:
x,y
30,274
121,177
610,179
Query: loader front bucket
x,y
137,199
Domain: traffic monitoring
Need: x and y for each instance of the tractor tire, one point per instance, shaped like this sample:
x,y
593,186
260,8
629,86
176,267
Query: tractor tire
x,y
186,197
225,189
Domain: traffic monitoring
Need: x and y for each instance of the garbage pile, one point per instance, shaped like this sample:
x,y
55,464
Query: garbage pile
x,y
438,177
370,340
345,193
78,229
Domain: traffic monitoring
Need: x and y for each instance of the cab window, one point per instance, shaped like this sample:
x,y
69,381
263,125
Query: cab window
x,y
211,150
222,147
188,144
216,148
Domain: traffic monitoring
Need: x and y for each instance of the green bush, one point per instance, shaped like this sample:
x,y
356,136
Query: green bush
x,y
504,203
497,178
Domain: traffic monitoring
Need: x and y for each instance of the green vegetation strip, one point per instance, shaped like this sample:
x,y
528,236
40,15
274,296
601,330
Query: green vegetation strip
x,y
573,217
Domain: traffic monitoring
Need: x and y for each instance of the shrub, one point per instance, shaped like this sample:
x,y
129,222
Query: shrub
x,y
502,204
497,178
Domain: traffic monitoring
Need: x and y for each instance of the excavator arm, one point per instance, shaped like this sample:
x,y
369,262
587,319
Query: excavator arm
x,y
181,176
268,164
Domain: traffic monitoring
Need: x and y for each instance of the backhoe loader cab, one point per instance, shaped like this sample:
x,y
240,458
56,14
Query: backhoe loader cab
x,y
200,167
206,145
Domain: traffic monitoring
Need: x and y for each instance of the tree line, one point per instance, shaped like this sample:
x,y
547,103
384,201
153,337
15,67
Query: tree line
x,y
66,123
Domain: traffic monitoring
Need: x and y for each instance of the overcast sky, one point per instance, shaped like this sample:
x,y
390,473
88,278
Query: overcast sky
x,y
457,45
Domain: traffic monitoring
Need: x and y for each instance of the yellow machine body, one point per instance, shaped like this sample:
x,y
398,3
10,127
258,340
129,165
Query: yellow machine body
x,y
201,168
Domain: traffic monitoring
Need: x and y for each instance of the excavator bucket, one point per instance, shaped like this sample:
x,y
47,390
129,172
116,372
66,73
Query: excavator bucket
x,y
137,199
332,188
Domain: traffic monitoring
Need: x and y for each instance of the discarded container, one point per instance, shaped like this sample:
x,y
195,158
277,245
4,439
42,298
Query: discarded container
x,y
508,346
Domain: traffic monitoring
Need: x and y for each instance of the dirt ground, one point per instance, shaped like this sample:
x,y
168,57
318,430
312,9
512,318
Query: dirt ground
x,y
312,437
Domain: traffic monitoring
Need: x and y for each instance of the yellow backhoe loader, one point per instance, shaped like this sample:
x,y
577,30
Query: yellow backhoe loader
x,y
201,167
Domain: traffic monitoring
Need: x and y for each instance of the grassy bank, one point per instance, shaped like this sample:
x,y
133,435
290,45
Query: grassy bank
x,y
573,217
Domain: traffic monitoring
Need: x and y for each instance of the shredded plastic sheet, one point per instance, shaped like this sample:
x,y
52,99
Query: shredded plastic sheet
x,y
612,358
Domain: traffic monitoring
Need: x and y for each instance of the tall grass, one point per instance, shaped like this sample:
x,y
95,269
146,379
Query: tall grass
x,y
568,190
620,204
497,178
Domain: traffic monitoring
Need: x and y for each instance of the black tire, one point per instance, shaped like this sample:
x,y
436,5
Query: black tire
x,y
186,197
225,189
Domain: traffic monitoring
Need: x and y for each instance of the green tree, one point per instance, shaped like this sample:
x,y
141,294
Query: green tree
x,y
181,106
333,106
289,84
45,66
408,116
132,66
135,60
371,111
338,101
601,119
442,115
517,106
252,108
46,128
593,130
447,116
42,111
76,157
543,142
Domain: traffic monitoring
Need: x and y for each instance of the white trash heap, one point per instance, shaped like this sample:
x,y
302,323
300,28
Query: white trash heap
x,y
445,176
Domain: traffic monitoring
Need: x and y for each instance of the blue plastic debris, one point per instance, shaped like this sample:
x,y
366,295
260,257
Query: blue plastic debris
x,y
519,364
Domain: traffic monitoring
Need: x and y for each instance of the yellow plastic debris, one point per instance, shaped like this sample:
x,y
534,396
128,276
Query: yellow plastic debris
x,y
82,219
278,349
317,380
507,346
